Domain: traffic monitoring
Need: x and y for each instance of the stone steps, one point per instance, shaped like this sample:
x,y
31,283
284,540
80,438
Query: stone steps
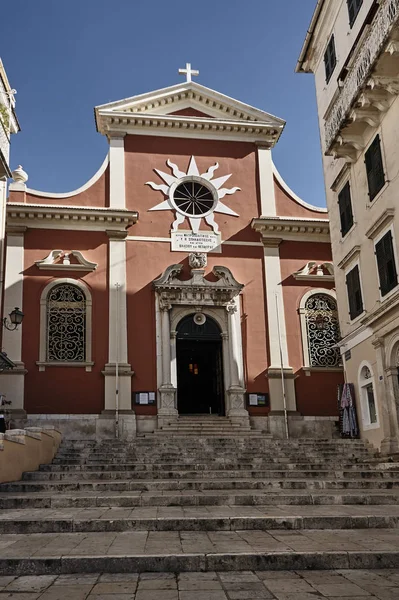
x,y
187,551
180,503
223,518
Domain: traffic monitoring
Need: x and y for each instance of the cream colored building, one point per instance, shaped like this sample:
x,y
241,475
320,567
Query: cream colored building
x,y
352,47
8,126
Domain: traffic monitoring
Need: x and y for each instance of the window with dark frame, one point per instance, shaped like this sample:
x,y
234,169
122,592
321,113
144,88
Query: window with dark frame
x,y
345,208
353,9
330,58
386,264
374,168
354,292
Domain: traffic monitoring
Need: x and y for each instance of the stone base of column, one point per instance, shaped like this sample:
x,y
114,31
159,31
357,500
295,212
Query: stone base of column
x,y
236,411
124,384
106,425
167,410
276,389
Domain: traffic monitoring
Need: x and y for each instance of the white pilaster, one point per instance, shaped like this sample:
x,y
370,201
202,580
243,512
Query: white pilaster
x,y
236,393
12,383
266,182
275,316
167,391
166,355
117,346
117,193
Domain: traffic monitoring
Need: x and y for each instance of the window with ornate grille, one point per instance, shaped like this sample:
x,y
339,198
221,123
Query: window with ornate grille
x,y
374,168
355,298
322,328
386,264
66,324
330,58
353,9
345,209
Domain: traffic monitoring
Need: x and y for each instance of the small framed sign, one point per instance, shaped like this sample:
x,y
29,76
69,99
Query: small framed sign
x,y
255,399
144,398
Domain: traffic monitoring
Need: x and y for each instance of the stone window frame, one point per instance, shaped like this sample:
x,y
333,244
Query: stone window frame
x,y
43,362
376,240
363,383
304,332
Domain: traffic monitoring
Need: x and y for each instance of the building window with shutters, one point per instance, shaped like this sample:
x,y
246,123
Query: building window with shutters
x,y
345,209
374,168
330,59
353,9
354,290
386,263
367,397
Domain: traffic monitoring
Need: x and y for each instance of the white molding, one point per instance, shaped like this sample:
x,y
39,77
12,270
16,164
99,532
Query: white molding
x,y
266,182
83,188
49,263
307,272
43,216
43,362
364,407
349,257
294,196
381,224
150,106
117,275
302,316
293,228
355,338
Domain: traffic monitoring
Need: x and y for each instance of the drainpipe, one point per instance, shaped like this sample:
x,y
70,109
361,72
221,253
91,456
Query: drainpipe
x,y
117,286
282,371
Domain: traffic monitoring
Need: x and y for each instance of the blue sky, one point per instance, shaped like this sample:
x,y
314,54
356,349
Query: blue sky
x,y
64,58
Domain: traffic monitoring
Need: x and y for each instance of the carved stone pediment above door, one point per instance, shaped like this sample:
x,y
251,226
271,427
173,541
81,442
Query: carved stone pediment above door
x,y
197,291
216,299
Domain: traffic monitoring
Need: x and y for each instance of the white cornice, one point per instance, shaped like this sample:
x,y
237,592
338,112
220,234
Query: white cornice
x,y
383,221
292,228
150,114
50,262
42,216
188,126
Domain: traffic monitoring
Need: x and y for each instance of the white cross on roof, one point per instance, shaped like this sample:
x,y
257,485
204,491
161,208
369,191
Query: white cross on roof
x,y
188,71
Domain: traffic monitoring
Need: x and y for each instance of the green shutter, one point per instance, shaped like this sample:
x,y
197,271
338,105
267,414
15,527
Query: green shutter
x,y
374,168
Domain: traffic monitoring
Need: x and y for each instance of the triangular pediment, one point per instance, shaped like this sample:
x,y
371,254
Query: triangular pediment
x,y
188,105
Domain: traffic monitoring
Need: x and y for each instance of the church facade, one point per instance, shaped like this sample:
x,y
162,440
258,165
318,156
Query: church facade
x,y
185,278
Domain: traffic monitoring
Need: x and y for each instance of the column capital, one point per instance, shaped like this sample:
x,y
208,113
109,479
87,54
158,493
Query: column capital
x,y
119,235
231,308
115,135
271,242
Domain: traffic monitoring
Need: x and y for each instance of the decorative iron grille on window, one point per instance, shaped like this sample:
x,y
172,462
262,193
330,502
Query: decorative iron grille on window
x,y
66,324
322,331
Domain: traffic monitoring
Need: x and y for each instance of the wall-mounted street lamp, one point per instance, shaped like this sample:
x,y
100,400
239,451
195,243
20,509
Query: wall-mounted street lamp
x,y
16,318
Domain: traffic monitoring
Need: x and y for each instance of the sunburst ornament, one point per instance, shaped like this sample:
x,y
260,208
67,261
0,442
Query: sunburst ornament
x,y
192,195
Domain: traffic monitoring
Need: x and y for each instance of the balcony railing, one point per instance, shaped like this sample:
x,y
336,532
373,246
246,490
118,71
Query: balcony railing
x,y
387,16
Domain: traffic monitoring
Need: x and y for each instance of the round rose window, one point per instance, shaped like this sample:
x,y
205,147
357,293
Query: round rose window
x,y
193,198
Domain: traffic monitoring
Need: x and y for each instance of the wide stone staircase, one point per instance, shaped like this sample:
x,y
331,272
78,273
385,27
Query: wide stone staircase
x,y
202,503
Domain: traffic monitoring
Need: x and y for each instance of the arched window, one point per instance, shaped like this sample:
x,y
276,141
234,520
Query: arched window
x,y
367,397
320,330
65,325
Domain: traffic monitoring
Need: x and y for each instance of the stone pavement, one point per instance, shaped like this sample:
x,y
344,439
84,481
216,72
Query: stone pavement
x,y
231,585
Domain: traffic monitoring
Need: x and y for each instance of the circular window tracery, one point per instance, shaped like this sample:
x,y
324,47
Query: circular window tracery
x,y
193,198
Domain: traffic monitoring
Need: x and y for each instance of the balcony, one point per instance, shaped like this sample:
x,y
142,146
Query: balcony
x,y
369,88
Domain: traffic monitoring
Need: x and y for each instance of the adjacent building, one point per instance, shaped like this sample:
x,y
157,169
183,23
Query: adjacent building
x,y
352,47
184,278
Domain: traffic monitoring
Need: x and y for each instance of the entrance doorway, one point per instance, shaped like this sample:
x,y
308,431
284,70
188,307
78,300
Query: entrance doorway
x,y
200,387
